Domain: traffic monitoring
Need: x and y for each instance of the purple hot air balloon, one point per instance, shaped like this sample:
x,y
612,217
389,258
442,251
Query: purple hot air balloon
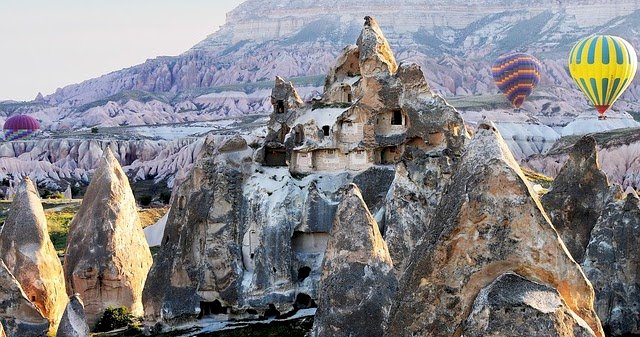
x,y
19,127
516,75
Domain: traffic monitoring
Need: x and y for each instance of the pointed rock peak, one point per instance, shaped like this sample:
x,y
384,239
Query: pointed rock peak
x,y
630,191
585,150
74,321
487,145
376,57
39,98
355,231
632,200
30,256
284,96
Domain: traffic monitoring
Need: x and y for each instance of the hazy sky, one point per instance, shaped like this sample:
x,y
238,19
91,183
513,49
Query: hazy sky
x,y
47,44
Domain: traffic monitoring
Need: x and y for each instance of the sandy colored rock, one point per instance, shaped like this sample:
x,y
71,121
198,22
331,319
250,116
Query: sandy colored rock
x,y
28,253
375,53
515,306
107,257
612,264
18,316
74,321
487,224
577,197
358,281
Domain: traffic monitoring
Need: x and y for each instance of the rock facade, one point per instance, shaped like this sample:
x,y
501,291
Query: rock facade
x,y
74,321
611,263
577,197
28,253
358,280
107,257
18,316
515,306
487,224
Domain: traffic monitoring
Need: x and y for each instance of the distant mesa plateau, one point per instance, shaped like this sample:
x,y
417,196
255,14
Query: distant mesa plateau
x,y
302,172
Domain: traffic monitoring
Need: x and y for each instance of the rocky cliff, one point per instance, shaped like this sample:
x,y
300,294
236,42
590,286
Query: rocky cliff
x,y
27,251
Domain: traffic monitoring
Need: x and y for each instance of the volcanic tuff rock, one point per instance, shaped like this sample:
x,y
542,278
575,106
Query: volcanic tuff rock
x,y
358,281
2,334
488,223
515,306
200,259
74,321
107,257
28,253
612,264
19,317
577,197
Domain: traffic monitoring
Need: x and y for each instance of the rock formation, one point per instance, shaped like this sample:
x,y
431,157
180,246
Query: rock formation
x,y
18,316
28,253
612,265
488,223
74,321
358,281
201,260
577,197
515,306
107,257
2,334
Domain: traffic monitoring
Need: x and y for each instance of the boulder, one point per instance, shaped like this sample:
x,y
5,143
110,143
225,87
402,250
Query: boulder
x,y
515,306
488,223
28,253
107,257
612,264
577,197
18,316
358,281
74,321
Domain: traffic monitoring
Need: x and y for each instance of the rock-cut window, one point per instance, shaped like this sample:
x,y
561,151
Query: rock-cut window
x,y
396,119
325,130
280,106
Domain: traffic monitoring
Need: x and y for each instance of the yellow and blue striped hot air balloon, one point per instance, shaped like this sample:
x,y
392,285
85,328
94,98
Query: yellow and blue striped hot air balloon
x,y
603,66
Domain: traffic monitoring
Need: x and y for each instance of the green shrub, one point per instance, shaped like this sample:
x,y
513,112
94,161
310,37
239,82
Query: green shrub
x,y
94,129
145,200
165,197
114,318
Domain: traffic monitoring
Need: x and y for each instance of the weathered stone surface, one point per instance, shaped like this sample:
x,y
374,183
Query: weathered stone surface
x,y
28,253
200,259
18,316
487,223
612,264
375,53
358,281
74,321
2,334
577,197
420,180
107,257
515,306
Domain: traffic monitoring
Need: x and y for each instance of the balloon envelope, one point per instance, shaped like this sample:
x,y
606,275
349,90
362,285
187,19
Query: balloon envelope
x,y
19,127
603,67
516,75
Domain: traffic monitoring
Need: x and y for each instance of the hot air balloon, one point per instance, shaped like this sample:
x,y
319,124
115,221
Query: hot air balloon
x,y
19,127
516,75
603,66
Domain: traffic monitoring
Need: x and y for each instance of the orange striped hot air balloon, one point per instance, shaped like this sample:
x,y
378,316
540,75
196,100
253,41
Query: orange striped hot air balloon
x,y
516,75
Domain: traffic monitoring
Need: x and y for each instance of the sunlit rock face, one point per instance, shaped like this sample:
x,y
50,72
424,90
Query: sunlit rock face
x,y
107,257
74,321
18,316
611,263
28,253
515,306
488,223
358,281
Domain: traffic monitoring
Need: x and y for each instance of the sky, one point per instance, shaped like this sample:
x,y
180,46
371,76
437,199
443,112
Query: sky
x,y
47,44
